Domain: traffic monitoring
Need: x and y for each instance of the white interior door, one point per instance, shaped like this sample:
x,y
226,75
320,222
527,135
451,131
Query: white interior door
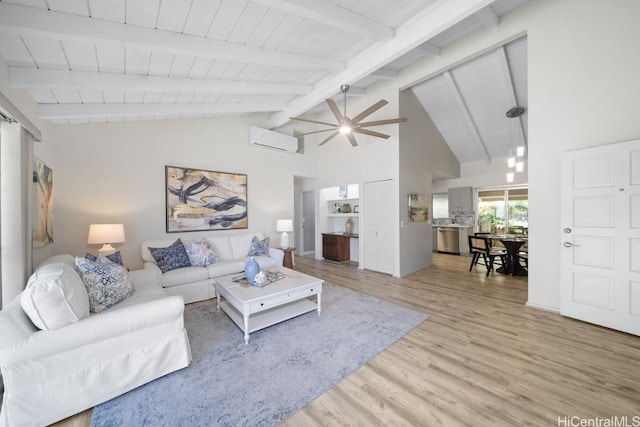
x,y
600,260
378,226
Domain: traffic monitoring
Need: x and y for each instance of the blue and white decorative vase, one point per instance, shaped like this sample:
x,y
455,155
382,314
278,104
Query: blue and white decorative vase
x,y
251,268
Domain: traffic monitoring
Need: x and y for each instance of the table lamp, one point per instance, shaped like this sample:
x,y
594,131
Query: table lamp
x,y
105,234
284,225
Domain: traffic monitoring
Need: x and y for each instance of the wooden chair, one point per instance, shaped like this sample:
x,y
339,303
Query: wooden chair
x,y
480,247
523,255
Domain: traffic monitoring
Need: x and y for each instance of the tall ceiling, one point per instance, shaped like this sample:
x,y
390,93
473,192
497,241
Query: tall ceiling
x,y
126,60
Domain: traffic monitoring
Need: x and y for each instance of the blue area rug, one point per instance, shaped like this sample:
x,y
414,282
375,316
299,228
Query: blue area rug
x,y
283,368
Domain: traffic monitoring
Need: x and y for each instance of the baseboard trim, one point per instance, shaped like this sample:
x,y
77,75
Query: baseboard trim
x,y
542,307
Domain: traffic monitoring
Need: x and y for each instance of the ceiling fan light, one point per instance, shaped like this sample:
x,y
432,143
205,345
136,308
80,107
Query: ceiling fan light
x,y
520,151
511,162
509,176
345,129
519,166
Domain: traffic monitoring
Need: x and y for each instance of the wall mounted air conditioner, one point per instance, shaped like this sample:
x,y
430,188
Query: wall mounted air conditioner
x,y
269,139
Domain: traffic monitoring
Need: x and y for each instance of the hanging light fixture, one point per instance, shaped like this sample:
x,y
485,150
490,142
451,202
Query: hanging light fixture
x,y
510,177
514,161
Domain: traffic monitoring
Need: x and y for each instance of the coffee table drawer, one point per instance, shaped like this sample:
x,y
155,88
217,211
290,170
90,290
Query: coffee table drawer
x,y
276,300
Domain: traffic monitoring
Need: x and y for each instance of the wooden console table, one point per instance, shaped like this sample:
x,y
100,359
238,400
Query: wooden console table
x,y
337,246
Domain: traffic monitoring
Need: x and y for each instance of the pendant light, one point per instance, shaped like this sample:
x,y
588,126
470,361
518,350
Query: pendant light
x,y
514,164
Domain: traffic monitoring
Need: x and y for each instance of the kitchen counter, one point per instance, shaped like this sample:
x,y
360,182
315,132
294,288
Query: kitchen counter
x,y
452,226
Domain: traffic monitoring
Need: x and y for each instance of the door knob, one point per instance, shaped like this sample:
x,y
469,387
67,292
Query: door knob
x,y
569,245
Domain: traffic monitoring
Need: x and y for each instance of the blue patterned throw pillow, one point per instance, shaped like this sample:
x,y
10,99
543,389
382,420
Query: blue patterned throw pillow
x,y
107,283
115,257
171,257
259,247
200,253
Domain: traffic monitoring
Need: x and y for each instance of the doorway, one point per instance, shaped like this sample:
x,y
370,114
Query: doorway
x,y
308,222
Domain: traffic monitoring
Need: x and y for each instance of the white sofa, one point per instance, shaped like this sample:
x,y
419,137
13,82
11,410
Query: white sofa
x,y
196,283
49,375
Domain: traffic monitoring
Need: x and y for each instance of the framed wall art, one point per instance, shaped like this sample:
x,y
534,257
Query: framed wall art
x,y
198,200
418,207
43,194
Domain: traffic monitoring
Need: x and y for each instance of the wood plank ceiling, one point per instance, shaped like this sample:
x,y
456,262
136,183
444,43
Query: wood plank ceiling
x,y
126,60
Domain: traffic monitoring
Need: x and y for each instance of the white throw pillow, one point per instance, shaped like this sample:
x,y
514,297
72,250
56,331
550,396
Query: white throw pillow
x,y
55,296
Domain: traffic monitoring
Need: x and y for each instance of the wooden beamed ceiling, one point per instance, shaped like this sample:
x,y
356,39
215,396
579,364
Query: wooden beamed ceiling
x,y
97,60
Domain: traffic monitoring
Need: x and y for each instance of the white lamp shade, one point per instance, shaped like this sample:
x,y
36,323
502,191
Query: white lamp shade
x,y
105,234
284,225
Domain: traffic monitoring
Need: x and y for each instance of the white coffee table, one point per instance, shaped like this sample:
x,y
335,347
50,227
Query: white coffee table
x,y
253,308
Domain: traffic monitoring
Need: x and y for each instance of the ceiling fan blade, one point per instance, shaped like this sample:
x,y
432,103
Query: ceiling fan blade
x,y
370,132
336,111
351,139
313,121
316,131
375,107
382,122
329,137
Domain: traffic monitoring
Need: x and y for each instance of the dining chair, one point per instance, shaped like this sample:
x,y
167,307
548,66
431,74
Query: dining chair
x,y
480,247
523,255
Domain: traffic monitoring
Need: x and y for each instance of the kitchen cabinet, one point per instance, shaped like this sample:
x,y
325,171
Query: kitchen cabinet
x,y
336,247
461,199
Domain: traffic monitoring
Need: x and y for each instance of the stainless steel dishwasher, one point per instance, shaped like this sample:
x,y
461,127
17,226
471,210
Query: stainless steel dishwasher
x,y
448,240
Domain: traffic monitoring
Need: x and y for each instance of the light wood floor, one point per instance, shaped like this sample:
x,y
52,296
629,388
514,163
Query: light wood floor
x,y
482,358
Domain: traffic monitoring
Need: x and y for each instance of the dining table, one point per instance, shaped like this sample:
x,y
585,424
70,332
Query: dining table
x,y
512,245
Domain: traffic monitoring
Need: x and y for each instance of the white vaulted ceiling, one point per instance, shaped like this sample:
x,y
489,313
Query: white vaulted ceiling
x,y
468,103
121,60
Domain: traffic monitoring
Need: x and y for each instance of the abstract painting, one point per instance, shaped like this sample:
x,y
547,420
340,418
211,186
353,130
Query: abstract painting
x,y
200,200
418,207
43,196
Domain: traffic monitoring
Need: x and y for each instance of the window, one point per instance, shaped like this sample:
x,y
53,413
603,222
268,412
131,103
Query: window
x,y
503,211
440,205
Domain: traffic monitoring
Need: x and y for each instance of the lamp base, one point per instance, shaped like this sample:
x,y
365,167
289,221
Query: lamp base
x,y
284,240
107,249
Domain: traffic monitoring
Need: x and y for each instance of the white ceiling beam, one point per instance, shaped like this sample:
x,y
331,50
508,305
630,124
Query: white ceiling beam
x,y
85,111
328,13
427,49
465,113
384,74
440,16
511,91
28,78
36,22
488,17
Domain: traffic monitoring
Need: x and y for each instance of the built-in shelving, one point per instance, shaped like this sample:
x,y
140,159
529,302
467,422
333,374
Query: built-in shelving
x,y
343,215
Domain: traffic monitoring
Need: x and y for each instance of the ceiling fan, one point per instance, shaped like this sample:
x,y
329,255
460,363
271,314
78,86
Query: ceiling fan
x,y
348,126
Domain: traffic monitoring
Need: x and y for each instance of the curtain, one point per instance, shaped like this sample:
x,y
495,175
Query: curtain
x,y
16,159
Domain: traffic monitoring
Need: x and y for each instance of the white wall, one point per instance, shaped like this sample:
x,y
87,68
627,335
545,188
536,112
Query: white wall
x,y
584,91
114,172
374,159
417,137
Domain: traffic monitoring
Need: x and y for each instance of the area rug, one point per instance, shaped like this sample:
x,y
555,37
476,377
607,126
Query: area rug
x,y
282,369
